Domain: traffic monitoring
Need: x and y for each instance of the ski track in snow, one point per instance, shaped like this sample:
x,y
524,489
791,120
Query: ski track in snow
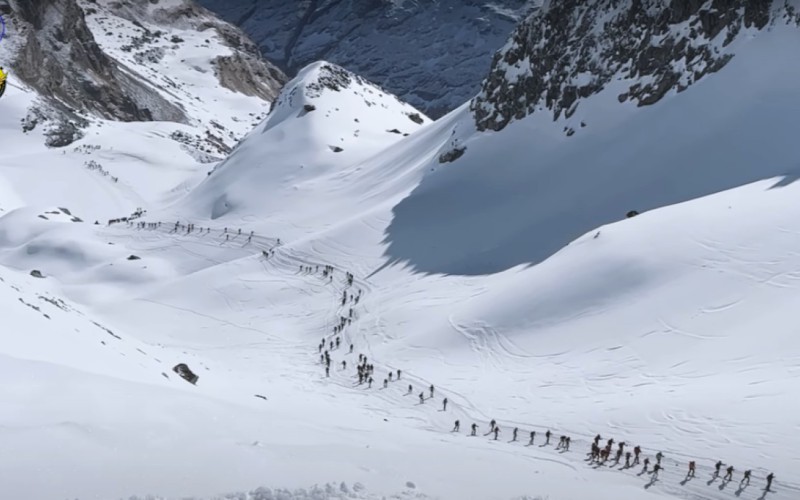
x,y
493,347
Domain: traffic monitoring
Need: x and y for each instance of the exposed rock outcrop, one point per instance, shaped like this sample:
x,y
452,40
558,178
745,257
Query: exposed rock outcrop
x,y
61,60
431,54
571,49
245,70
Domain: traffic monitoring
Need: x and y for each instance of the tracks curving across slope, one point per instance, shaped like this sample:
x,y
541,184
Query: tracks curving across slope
x,y
425,412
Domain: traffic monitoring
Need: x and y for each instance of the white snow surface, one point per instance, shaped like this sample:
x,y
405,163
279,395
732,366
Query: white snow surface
x,y
509,279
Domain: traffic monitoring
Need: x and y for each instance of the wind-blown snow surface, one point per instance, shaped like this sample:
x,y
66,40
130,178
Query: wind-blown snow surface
x,y
673,330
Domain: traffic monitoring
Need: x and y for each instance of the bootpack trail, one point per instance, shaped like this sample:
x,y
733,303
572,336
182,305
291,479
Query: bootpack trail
x,y
279,258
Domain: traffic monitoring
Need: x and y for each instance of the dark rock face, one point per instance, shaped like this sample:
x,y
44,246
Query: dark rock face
x,y
334,78
249,75
452,155
562,53
185,373
431,54
244,71
61,59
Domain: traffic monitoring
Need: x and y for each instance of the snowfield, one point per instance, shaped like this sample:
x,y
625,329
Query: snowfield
x,y
507,280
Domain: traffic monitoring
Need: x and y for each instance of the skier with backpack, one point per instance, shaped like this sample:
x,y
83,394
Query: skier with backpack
x,y
728,474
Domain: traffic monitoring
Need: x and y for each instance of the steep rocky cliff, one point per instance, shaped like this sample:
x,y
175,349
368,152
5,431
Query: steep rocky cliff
x,y
61,59
431,54
116,60
571,49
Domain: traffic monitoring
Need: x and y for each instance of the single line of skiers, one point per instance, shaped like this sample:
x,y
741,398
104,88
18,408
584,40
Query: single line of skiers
x,y
365,371
190,228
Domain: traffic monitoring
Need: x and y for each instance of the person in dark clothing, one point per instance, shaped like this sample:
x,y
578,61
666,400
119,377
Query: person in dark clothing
x,y
770,477
351,348
369,382
533,435
728,474
431,390
496,432
656,469
514,434
597,439
636,452
398,374
328,371
474,430
547,437
717,466
627,459
385,383
746,478
410,389
646,463
492,425
691,472
561,441
457,427
421,398
659,456
566,443
444,404
344,365
390,376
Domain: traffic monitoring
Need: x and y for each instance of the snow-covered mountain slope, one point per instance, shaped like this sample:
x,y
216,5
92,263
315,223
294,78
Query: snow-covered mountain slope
x,y
568,51
94,72
106,60
251,334
431,54
604,158
325,121
495,265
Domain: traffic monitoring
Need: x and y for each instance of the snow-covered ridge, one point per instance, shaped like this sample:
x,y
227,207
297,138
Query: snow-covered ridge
x,y
569,50
322,77
324,121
